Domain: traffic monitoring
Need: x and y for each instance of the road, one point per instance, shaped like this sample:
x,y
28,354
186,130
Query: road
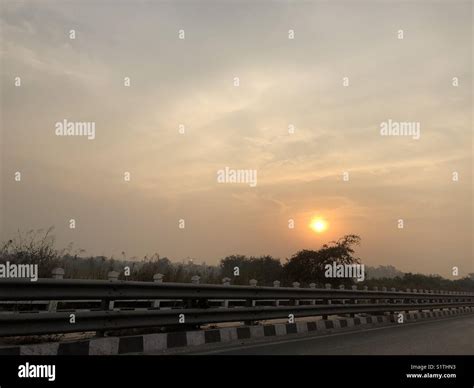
x,y
448,336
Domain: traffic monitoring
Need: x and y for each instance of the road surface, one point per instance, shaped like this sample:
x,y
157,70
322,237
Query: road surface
x,y
448,336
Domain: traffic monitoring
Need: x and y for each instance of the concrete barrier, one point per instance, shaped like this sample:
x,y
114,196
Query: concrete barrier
x,y
161,342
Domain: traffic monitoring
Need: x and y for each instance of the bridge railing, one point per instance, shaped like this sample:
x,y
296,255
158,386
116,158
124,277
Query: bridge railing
x,y
94,305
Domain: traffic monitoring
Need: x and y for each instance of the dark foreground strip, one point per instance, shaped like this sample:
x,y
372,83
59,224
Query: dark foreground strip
x,y
159,342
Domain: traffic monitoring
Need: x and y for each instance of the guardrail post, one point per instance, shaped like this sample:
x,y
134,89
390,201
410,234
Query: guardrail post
x,y
296,302
253,283
366,301
379,301
312,285
113,277
423,298
251,302
454,299
407,300
354,301
276,283
327,300
191,303
157,278
341,287
394,300
225,282
56,273
106,303
376,301
416,301
432,299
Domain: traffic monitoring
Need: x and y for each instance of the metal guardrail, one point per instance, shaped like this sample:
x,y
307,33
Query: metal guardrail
x,y
51,289
58,322
300,302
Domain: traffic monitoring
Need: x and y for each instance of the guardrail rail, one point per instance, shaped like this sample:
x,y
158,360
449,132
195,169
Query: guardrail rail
x,y
96,304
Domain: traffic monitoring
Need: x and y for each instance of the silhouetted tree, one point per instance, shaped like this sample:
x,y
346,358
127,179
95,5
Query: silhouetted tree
x,y
307,266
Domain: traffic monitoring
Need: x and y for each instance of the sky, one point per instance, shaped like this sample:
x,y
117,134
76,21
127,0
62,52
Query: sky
x,y
282,83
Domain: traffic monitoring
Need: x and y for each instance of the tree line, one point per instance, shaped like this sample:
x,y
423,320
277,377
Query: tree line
x,y
305,266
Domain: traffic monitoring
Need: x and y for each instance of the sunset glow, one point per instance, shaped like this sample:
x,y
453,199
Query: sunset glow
x,y
245,128
319,225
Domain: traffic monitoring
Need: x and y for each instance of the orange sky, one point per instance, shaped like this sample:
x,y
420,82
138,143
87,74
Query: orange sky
x,y
283,82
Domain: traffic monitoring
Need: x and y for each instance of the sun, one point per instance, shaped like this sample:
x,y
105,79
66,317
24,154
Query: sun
x,y
319,225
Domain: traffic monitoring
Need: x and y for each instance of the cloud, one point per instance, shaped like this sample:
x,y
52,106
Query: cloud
x,y
282,82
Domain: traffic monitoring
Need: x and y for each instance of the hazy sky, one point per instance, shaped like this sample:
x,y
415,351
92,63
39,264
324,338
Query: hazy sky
x,y
283,82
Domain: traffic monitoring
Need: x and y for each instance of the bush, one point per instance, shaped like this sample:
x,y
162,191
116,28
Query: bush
x,y
33,247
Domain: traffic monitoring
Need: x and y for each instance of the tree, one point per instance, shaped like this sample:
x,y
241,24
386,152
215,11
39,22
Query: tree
x,y
265,269
307,266
33,247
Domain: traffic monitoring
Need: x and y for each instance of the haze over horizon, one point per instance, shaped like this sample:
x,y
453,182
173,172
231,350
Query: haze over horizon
x,y
282,82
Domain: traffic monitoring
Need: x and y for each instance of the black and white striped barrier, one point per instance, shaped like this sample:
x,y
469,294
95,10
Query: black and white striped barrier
x,y
153,343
